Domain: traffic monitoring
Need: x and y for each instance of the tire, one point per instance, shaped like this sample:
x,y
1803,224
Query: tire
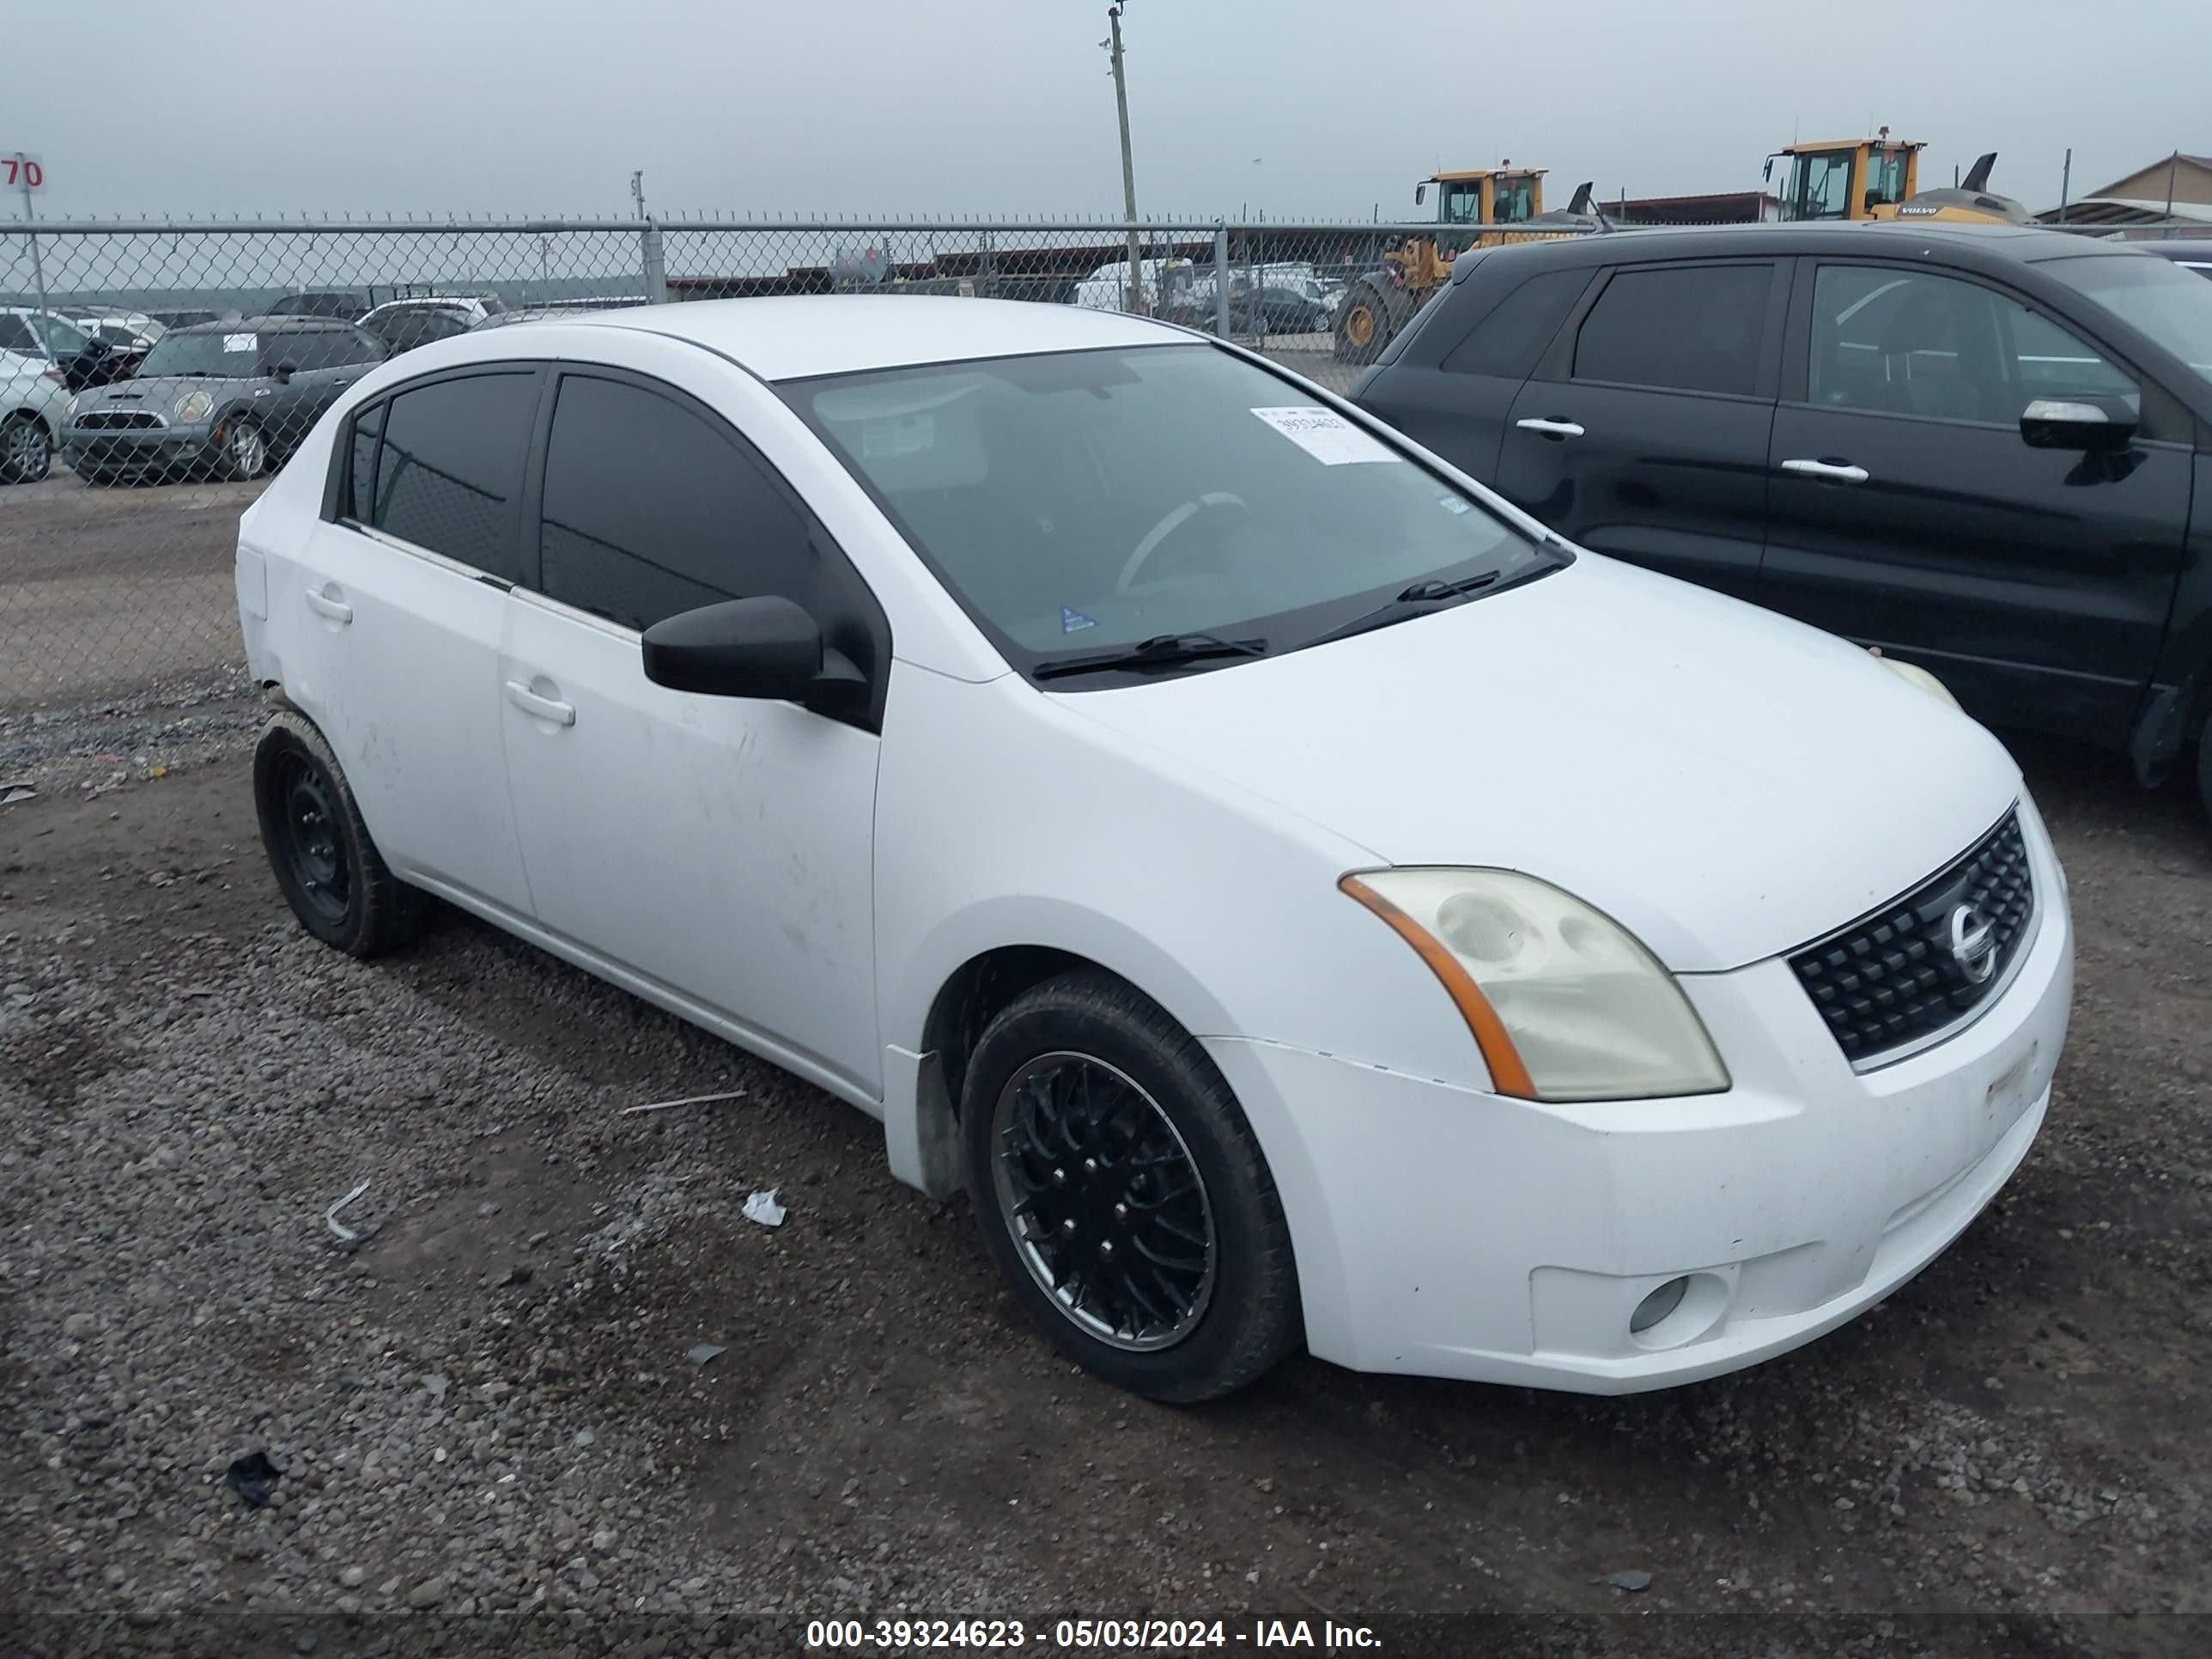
x,y
2205,766
1363,325
27,449
1083,1066
325,863
244,450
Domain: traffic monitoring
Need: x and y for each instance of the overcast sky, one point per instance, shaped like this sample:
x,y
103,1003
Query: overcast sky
x,y
1297,107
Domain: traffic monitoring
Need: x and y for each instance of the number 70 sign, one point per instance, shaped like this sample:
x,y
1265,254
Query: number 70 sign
x,y
21,171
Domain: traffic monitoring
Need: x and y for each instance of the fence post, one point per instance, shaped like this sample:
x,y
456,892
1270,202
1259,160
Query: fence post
x,y
1221,280
656,268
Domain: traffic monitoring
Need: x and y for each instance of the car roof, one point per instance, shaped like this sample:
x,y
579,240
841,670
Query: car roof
x,y
1989,247
281,323
794,337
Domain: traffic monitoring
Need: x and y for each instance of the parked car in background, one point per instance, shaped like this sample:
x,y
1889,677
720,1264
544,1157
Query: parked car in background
x,y
402,324
33,400
569,308
82,360
1057,666
1270,310
343,304
223,399
2194,253
131,333
186,319
1975,448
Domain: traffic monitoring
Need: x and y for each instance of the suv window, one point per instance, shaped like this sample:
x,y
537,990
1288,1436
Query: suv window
x,y
651,509
1684,328
1911,343
1509,341
16,335
449,471
62,339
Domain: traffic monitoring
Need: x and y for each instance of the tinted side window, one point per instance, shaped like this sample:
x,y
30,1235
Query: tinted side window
x,y
450,470
1508,342
651,509
1689,328
15,335
359,502
1912,343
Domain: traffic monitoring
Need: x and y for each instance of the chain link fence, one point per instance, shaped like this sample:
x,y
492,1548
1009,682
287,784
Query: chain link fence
x,y
153,376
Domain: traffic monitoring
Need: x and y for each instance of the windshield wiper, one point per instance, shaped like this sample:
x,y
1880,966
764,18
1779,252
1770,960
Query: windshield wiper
x,y
1420,596
1161,651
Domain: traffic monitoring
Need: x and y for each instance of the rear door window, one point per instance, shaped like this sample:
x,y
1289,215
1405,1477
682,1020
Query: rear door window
x,y
1678,328
1509,341
448,472
651,508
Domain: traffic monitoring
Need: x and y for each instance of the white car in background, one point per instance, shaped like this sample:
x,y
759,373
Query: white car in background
x,y
34,403
125,330
1299,898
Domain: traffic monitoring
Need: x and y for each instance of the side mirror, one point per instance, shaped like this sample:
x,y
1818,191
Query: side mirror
x,y
283,374
1421,194
766,648
2096,425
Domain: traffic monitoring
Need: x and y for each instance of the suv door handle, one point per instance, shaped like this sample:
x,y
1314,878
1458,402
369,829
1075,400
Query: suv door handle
x,y
1834,471
322,604
1550,428
546,709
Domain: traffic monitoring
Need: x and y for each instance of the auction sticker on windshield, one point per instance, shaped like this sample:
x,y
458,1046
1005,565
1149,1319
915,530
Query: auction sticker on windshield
x,y
240,342
1327,437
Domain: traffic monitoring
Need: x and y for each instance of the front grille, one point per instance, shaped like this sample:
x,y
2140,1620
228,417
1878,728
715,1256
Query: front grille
x,y
117,420
1907,971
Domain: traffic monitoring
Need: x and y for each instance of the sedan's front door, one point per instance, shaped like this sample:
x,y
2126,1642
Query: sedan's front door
x,y
1908,512
720,850
1643,433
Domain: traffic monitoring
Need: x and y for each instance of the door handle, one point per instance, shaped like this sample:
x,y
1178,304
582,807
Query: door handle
x,y
546,709
323,605
1832,471
1550,428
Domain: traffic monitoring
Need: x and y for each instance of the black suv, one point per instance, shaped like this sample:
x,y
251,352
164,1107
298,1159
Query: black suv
x,y
1974,446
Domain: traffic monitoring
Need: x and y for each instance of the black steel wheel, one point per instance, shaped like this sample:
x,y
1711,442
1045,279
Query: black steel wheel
x,y
1124,1194
325,863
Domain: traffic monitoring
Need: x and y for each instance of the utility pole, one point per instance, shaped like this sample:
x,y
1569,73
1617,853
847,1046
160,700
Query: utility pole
x,y
1128,167
2065,184
637,191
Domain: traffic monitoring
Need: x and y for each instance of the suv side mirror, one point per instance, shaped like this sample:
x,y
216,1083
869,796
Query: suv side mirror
x,y
2095,425
767,647
282,373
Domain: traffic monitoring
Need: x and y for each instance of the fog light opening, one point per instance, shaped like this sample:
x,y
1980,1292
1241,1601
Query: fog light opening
x,y
1657,1305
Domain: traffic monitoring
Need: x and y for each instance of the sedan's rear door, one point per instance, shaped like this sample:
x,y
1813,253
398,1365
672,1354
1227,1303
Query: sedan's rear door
x,y
1643,432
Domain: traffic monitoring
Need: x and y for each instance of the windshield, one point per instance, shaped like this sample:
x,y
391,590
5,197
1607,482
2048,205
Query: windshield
x,y
62,339
220,353
1083,500
2170,304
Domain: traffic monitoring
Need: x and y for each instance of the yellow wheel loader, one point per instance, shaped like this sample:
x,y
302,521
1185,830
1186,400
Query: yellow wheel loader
x,y
1879,178
1379,303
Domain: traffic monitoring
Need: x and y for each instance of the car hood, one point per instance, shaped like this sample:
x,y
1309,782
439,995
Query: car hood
x,y
158,394
1726,783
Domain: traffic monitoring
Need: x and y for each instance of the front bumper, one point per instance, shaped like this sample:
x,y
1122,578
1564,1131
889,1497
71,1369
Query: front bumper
x,y
1454,1233
149,449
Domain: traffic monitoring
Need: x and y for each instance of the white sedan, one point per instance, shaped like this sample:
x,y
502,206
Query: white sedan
x,y
1297,897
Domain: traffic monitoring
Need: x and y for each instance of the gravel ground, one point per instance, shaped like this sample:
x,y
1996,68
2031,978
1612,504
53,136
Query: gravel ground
x,y
488,1408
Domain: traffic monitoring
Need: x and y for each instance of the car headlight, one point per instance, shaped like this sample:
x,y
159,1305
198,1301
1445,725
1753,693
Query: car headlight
x,y
194,406
1564,1002
1913,674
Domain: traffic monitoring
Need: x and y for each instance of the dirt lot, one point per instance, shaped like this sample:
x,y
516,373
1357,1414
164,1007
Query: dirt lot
x,y
487,1408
